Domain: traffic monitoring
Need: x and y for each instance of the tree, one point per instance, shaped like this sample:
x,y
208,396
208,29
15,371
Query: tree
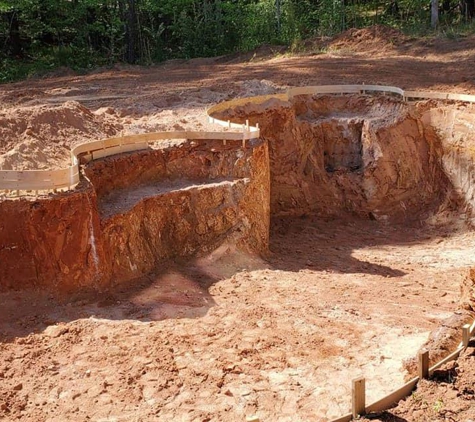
x,y
434,15
131,31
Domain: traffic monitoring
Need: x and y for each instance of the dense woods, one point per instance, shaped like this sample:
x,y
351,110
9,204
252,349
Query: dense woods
x,y
42,34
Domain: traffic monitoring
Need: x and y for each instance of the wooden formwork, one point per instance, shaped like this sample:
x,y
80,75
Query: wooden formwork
x,y
401,392
52,180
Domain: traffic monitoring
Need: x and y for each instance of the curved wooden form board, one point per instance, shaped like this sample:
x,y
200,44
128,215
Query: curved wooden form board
x,y
67,178
344,89
400,393
34,180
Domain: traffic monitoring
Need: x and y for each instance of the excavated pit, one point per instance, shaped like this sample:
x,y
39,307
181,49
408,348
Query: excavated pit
x,y
132,212
374,157
366,195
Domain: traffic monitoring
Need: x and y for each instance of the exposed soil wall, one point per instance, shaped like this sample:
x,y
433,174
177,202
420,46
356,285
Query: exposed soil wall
x,y
137,210
363,155
375,157
180,201
450,128
52,242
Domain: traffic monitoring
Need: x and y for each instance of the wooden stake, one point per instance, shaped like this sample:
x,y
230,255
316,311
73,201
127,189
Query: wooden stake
x,y
465,335
358,405
423,364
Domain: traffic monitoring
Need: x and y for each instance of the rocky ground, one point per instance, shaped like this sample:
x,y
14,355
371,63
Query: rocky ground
x,y
230,336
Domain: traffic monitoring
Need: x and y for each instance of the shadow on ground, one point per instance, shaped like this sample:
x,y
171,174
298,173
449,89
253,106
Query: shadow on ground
x,y
181,289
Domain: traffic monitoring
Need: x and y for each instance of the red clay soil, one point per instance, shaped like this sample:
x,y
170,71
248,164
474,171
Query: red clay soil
x,y
230,336
447,396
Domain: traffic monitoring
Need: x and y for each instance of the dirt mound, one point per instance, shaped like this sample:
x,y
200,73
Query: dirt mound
x,y
41,137
255,87
376,37
258,54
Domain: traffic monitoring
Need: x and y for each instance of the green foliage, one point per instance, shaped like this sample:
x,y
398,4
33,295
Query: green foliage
x,y
39,35
438,405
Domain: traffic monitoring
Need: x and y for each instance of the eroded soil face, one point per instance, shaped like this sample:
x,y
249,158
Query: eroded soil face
x,y
366,155
230,335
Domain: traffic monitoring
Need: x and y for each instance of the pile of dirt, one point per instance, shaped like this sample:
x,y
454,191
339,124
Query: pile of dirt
x,y
258,54
254,87
40,137
376,37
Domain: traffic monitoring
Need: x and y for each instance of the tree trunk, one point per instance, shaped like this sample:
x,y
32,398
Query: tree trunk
x,y
469,6
434,15
131,32
14,39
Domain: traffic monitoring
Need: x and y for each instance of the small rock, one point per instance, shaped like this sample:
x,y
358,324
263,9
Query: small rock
x,y
18,387
55,331
417,414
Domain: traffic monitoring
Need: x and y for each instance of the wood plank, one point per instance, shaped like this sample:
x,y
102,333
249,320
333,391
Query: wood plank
x,y
134,147
451,357
32,176
394,397
209,136
440,96
358,397
465,335
330,89
39,185
426,95
342,89
462,97
345,418
88,146
118,150
423,368
383,88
